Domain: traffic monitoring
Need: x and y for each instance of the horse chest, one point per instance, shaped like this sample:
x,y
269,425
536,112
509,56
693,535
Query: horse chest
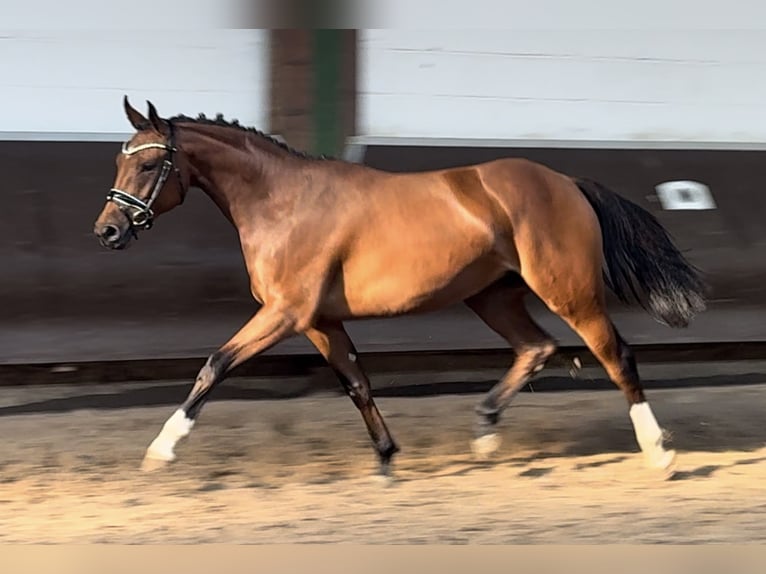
x,y
281,274
259,272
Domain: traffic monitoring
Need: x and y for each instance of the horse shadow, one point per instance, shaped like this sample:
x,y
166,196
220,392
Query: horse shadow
x,y
706,419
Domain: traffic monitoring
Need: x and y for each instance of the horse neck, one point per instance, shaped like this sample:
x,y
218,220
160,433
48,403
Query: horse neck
x,y
235,169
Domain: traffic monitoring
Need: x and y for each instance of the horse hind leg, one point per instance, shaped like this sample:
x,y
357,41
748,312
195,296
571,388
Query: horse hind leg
x,y
583,308
502,308
615,355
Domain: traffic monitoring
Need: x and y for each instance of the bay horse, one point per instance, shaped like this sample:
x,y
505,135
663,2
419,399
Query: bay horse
x,y
327,241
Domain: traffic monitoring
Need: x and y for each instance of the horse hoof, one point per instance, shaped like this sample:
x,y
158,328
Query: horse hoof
x,y
150,463
664,462
485,446
383,480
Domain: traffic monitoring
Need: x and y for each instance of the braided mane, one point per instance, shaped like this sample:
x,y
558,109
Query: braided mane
x,y
221,122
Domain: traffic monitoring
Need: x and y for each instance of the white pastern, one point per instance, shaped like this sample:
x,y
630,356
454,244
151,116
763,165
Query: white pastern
x,y
649,435
174,429
485,446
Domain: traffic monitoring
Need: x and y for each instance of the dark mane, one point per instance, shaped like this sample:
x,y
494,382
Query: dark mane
x,y
221,122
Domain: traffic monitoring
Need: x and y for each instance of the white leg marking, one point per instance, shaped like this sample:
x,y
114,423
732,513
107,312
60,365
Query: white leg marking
x,y
174,429
649,436
484,446
352,357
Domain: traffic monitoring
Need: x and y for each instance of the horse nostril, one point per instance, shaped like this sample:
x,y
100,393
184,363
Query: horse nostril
x,y
110,232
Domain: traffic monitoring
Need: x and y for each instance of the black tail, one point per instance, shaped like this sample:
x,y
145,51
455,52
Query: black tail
x,y
641,259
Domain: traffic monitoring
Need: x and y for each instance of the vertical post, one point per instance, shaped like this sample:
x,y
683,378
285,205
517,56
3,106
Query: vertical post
x,y
291,86
313,87
328,47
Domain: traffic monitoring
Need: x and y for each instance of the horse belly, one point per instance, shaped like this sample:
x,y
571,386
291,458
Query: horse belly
x,y
408,283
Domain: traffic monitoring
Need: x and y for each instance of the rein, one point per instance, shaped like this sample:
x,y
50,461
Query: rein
x,y
139,211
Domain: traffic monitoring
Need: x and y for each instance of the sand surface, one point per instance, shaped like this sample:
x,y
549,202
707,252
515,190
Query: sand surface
x,y
299,471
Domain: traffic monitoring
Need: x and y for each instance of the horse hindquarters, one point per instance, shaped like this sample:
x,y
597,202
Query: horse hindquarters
x,y
562,262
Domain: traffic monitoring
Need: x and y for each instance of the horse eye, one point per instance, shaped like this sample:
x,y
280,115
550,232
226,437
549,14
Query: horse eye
x,y
148,166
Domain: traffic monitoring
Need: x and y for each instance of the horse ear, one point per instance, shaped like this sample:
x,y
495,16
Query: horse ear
x,y
135,118
157,122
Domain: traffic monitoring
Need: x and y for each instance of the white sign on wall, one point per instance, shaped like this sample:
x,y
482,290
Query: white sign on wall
x,y
683,195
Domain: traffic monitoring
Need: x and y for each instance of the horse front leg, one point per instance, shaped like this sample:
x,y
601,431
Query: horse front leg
x,y
264,330
333,342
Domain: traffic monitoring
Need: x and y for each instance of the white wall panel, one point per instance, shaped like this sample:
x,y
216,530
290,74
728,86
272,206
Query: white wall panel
x,y
71,81
513,15
693,85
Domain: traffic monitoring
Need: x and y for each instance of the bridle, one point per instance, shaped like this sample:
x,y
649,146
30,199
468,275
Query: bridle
x,y
139,211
